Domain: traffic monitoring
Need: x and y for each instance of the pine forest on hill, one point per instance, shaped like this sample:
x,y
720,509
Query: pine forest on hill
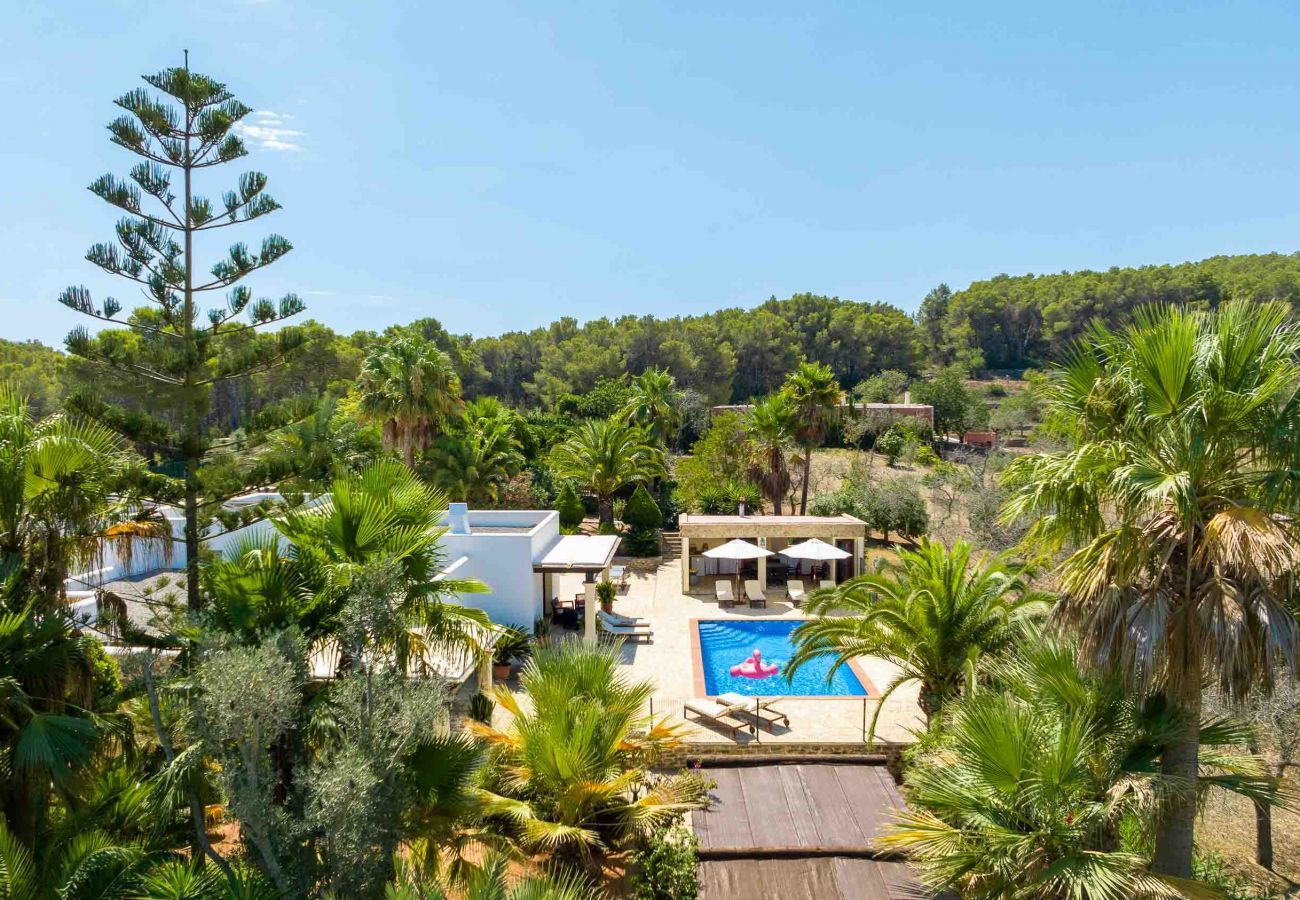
x,y
733,355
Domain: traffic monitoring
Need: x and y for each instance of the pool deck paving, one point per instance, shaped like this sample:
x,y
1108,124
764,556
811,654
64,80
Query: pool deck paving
x,y
667,661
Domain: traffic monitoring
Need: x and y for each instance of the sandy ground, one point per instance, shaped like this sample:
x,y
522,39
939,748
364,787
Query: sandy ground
x,y
1227,826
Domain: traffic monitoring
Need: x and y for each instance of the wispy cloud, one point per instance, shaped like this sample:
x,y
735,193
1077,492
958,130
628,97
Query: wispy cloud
x,y
270,131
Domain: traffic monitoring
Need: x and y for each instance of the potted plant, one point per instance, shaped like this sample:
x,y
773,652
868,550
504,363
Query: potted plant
x,y
511,644
606,591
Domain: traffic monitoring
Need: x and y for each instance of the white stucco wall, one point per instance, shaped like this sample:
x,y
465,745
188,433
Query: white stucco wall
x,y
504,561
150,556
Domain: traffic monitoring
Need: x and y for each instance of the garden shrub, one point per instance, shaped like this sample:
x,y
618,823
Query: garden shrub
x,y
481,707
670,504
641,510
891,444
643,516
666,866
569,506
105,676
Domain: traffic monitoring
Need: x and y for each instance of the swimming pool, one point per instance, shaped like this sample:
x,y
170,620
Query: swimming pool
x,y
724,643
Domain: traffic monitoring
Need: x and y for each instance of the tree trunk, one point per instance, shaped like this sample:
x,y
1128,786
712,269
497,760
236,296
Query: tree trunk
x,y
1264,834
193,448
1176,821
807,476
192,533
605,505
409,453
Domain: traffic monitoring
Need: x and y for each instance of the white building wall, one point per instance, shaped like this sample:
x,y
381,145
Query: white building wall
x,y
150,556
504,562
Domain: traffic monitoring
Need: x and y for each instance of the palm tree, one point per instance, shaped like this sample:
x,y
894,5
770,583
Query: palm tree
x,y
481,453
571,768
411,388
492,881
771,425
815,394
315,447
45,733
654,405
119,836
1024,790
606,455
96,864
382,515
933,613
64,494
1181,497
255,589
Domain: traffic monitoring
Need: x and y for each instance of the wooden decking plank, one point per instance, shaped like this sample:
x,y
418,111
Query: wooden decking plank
x,y
728,818
869,791
802,811
836,818
770,820
857,879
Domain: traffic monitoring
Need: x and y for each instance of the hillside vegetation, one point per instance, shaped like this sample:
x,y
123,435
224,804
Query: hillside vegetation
x,y
734,355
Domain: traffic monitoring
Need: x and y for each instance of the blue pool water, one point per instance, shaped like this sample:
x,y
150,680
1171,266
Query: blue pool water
x,y
727,642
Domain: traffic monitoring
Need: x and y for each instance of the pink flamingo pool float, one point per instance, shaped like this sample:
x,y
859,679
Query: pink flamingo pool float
x,y
754,667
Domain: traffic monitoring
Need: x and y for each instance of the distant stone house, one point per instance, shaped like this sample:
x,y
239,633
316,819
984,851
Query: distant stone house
x,y
985,440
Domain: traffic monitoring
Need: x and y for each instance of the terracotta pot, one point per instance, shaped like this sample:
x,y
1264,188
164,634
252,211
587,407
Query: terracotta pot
x,y
501,671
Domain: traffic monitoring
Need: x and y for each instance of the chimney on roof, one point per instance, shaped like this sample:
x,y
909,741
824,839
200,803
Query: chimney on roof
x,y
907,398
458,518
740,507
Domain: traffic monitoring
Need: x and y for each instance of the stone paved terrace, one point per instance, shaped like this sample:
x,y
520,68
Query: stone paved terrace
x,y
667,661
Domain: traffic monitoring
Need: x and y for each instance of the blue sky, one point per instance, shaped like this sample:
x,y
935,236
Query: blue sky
x,y
497,165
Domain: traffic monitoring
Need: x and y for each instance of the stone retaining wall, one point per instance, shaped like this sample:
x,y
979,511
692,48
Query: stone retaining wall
x,y
639,563
688,754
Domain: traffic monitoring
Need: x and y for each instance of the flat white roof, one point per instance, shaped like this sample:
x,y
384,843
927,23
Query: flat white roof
x,y
578,551
768,521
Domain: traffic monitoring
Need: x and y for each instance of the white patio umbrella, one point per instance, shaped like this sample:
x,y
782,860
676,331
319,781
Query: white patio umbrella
x,y
816,550
737,550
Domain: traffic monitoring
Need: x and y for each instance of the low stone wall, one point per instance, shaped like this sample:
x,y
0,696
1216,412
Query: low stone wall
x,y
688,755
639,563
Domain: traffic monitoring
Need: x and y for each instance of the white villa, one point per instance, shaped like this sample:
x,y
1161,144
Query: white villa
x,y
516,553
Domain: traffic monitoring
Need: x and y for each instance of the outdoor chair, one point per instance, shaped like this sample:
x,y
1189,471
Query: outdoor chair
x,y
725,596
635,632
627,621
716,714
794,590
755,594
762,709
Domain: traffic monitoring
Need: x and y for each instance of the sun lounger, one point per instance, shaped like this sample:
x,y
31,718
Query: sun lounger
x,y
762,709
725,596
623,631
715,714
614,619
794,590
629,621
755,593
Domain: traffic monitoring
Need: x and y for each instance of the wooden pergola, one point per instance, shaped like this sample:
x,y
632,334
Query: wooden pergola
x,y
771,532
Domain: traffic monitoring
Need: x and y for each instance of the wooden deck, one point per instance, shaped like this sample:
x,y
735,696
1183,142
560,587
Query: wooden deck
x,y
804,830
